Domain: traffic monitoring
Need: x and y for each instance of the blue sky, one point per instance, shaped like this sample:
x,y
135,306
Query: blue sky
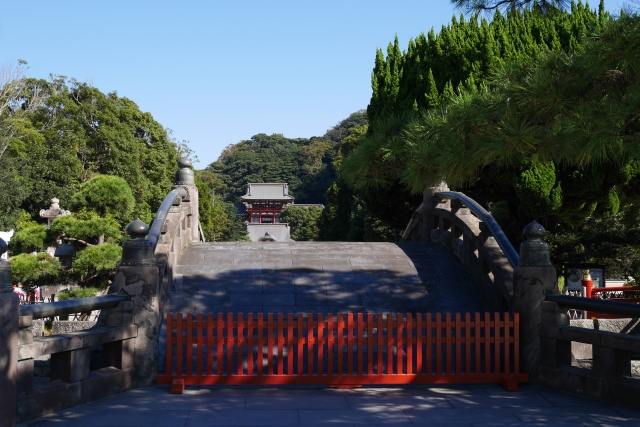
x,y
217,72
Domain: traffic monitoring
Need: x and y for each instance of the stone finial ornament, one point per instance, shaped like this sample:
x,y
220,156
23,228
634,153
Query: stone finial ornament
x,y
137,229
138,250
184,174
534,252
5,270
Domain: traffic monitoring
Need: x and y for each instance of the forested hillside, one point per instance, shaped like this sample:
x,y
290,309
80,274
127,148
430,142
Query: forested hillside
x,y
307,165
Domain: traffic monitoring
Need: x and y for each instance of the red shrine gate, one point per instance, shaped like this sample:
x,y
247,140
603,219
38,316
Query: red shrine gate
x,y
342,351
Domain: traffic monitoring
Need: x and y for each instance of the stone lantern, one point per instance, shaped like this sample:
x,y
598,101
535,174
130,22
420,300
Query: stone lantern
x,y
53,212
65,253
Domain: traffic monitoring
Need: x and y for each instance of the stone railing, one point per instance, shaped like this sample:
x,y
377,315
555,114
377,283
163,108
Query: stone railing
x,y
71,381
459,224
610,377
526,283
148,266
128,335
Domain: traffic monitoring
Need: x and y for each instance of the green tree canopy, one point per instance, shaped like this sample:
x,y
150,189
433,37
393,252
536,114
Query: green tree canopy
x,y
106,195
303,221
458,62
218,221
35,270
68,132
489,5
307,165
96,264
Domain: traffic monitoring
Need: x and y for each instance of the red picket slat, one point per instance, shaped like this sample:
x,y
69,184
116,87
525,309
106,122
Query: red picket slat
x,y
229,344
240,341
300,344
370,344
189,358
429,342
330,343
438,343
467,342
290,344
340,352
487,343
270,344
210,343
310,342
419,326
360,341
447,341
516,343
199,344
409,344
321,341
477,341
507,343
280,338
399,330
260,344
250,342
169,353
389,344
179,344
350,344
458,344
497,340
380,343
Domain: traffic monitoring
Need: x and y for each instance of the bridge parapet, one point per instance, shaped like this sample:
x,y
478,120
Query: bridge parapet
x,y
148,265
610,377
463,227
127,332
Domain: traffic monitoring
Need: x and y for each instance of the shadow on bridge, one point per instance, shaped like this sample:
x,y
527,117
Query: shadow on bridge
x,y
413,278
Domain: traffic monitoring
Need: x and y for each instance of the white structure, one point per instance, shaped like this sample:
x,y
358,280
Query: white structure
x,y
6,236
279,232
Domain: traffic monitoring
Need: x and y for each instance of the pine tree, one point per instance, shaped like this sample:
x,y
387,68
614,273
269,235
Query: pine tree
x,y
431,95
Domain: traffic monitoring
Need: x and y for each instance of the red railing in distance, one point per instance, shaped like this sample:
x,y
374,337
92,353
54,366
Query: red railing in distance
x,y
630,294
343,350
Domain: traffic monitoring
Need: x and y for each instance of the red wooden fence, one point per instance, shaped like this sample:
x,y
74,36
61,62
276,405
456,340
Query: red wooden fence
x,y
619,293
343,350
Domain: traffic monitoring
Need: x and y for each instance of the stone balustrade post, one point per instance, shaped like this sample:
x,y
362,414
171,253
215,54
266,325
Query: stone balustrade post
x,y
554,353
9,344
184,178
138,276
430,201
119,354
533,278
25,366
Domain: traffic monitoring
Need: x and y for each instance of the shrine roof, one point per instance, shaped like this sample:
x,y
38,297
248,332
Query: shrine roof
x,y
267,191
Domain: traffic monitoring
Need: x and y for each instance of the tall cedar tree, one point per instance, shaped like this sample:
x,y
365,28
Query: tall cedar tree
x,y
461,55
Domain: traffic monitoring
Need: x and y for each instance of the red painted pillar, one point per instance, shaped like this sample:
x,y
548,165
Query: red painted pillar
x,y
587,282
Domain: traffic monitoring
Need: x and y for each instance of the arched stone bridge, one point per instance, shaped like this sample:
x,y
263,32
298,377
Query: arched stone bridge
x,y
454,258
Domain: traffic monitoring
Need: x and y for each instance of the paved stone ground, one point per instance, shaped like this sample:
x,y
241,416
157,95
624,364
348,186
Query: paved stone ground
x,y
321,277
437,406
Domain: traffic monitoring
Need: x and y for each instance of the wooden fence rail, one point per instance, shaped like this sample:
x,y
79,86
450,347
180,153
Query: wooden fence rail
x,y
343,350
